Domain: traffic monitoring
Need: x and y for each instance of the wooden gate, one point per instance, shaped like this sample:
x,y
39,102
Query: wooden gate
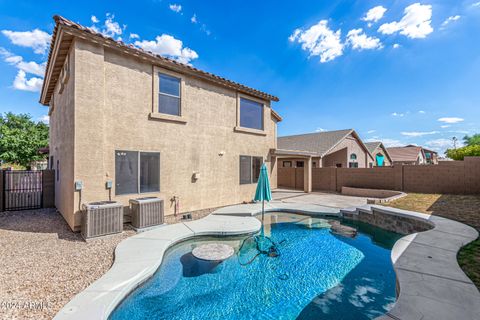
x,y
22,190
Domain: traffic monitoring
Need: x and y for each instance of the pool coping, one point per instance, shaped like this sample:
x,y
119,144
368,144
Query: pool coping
x,y
443,292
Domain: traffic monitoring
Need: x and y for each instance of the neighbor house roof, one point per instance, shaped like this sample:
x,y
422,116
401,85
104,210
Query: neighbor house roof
x,y
372,146
318,143
65,31
404,153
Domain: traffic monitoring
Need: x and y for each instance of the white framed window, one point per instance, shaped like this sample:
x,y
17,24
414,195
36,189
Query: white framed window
x,y
250,169
169,94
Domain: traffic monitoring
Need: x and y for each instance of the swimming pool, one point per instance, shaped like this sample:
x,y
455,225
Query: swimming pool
x,y
318,274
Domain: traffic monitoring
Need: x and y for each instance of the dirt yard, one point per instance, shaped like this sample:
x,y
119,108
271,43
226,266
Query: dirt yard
x,y
44,264
465,209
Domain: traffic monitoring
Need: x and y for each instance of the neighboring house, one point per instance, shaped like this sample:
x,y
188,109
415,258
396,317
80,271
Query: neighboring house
x,y
341,148
379,153
431,156
407,155
149,126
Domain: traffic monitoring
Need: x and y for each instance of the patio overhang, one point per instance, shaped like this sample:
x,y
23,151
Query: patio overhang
x,y
307,169
280,153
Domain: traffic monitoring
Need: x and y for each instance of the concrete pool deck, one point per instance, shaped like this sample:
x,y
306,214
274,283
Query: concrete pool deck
x,y
430,282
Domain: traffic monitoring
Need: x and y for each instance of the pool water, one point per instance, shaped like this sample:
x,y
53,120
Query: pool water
x,y
317,275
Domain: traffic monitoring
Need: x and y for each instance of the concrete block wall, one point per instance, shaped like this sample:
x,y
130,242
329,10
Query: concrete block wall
x,y
434,179
372,178
472,174
453,177
324,179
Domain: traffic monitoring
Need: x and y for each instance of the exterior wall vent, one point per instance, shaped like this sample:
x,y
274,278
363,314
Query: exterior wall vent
x,y
146,212
101,218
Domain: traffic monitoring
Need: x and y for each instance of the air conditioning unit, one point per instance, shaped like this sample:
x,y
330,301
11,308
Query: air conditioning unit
x,y
101,218
146,212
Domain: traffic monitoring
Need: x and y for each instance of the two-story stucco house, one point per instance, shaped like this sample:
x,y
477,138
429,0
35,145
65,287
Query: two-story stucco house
x,y
126,123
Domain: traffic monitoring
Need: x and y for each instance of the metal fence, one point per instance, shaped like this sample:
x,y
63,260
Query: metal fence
x,y
22,190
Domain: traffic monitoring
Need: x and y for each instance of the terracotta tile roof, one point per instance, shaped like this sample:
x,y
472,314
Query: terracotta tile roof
x,y
404,153
129,48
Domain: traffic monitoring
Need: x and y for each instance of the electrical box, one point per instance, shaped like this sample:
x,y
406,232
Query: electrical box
x,y
196,175
108,184
78,185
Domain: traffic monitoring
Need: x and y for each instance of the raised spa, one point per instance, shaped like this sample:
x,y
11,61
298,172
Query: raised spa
x,y
322,270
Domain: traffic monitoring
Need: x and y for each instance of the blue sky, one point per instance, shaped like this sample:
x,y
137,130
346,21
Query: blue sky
x,y
399,71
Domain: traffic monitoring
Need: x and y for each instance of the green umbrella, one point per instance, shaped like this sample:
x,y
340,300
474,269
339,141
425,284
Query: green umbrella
x,y
263,190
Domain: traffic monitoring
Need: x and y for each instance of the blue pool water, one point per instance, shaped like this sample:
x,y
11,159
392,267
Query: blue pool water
x,y
318,275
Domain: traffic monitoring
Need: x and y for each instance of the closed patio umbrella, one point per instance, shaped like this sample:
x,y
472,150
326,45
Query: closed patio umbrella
x,y
263,192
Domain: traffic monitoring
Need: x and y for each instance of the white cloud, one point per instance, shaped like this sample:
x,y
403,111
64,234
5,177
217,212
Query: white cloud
x,y
319,40
386,142
421,112
45,119
167,45
320,130
134,36
175,7
193,19
476,4
397,114
416,22
418,133
360,41
110,27
22,83
445,126
375,14
36,39
451,120
450,19
17,61
441,144
396,46
371,131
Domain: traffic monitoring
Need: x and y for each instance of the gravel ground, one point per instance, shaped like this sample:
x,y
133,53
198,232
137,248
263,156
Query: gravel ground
x,y
44,264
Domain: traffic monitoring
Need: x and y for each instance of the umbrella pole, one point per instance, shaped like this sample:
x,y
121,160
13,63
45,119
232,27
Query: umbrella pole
x,y
263,213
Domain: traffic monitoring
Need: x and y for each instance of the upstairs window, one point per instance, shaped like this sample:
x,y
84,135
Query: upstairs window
x,y
251,114
250,169
169,95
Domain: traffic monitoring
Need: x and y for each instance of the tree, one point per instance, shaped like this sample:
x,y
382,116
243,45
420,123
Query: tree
x,y
460,153
473,140
20,139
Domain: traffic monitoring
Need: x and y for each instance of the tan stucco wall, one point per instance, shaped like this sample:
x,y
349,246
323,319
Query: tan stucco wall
x,y
62,121
113,100
341,154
